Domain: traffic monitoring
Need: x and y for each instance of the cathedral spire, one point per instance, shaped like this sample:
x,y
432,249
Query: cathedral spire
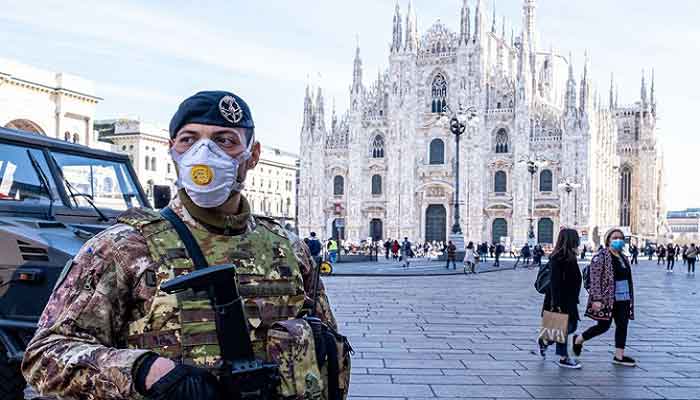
x,y
611,104
307,123
320,115
411,30
653,94
397,34
571,89
503,29
357,70
529,24
478,17
493,21
644,91
464,30
585,85
334,118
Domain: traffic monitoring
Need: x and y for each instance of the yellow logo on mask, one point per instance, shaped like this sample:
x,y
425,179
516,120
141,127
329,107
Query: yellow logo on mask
x,y
201,174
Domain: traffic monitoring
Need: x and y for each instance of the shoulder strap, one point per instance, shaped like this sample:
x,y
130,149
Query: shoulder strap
x,y
193,249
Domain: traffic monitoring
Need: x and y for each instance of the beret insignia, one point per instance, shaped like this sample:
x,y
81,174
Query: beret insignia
x,y
230,110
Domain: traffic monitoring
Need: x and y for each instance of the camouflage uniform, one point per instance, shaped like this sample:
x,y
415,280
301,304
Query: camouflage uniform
x,y
107,312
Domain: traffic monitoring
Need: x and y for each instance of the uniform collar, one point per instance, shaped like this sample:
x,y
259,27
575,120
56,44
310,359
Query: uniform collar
x,y
231,224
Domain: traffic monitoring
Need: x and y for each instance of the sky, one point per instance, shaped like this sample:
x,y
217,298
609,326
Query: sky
x,y
147,56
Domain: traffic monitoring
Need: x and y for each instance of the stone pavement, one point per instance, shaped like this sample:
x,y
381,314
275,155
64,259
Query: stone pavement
x,y
430,337
418,266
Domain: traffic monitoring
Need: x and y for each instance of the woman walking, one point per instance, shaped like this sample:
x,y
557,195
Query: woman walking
x,y
469,259
670,257
565,288
611,296
691,255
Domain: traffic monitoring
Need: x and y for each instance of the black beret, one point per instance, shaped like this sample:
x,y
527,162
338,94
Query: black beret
x,y
217,108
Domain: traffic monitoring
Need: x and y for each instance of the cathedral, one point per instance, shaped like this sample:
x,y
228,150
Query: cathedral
x,y
543,152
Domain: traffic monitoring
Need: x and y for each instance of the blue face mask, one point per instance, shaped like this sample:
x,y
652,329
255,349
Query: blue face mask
x,y
618,244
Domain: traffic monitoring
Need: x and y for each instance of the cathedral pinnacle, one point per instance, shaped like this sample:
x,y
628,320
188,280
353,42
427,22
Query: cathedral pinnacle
x,y
571,90
612,88
493,22
411,29
477,21
644,91
464,24
357,70
397,34
653,94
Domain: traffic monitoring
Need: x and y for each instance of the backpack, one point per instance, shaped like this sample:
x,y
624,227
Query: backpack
x,y
544,278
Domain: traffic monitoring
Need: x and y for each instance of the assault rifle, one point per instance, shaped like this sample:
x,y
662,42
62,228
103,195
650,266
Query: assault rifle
x,y
242,376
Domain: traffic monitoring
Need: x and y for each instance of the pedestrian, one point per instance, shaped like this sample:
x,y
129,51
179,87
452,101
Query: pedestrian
x,y
526,254
670,257
537,254
406,252
661,254
611,296
387,248
395,249
451,254
583,252
564,292
677,251
470,259
692,256
650,252
107,332
332,248
499,251
492,250
684,251
634,252
314,247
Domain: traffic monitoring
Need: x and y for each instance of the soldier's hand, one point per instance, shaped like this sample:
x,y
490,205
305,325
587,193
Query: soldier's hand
x,y
185,383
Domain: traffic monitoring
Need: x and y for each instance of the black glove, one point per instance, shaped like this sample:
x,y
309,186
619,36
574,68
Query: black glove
x,y
185,383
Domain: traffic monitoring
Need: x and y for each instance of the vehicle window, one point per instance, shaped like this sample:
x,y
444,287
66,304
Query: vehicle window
x,y
19,180
107,183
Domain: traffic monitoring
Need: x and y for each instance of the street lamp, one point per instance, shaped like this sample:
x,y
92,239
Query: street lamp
x,y
458,125
533,165
568,186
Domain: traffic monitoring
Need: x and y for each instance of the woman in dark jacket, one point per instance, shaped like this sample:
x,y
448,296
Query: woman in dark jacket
x,y
565,288
610,296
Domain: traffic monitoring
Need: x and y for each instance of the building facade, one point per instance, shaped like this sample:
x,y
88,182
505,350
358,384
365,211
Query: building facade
x,y
147,146
684,226
54,104
271,187
386,167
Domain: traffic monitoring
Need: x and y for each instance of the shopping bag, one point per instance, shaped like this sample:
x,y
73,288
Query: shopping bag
x,y
554,327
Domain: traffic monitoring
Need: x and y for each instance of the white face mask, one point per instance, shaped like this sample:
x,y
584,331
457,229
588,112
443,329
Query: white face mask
x,y
207,173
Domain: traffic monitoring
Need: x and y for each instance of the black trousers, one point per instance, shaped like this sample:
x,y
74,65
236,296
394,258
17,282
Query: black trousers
x,y
454,264
621,316
670,262
691,265
634,259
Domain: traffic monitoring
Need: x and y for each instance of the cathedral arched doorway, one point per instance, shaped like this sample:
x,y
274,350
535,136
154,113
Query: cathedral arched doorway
x,y
375,229
499,229
545,231
25,125
338,229
435,223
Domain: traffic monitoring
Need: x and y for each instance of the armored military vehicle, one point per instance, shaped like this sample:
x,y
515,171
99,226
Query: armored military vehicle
x,y
54,196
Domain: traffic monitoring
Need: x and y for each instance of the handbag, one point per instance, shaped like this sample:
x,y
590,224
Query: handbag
x,y
555,327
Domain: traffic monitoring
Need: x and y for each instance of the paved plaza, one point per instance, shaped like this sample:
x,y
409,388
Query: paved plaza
x,y
428,337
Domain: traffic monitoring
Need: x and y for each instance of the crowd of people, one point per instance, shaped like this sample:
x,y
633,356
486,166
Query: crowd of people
x,y
669,254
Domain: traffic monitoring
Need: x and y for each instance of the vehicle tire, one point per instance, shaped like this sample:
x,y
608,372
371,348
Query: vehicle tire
x,y
12,382
326,268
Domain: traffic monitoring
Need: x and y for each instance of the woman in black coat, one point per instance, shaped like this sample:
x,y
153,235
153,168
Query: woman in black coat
x,y
565,288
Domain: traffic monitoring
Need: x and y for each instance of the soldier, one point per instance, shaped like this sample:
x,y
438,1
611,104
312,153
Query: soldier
x,y
108,332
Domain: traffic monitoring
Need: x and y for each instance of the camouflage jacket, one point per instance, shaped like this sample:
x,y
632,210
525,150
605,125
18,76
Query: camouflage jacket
x,y
80,347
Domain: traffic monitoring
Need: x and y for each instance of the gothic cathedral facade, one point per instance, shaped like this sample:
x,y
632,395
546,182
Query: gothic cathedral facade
x,y
386,167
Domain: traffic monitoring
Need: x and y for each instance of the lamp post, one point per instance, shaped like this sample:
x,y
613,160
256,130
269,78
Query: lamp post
x,y
533,165
568,186
458,125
